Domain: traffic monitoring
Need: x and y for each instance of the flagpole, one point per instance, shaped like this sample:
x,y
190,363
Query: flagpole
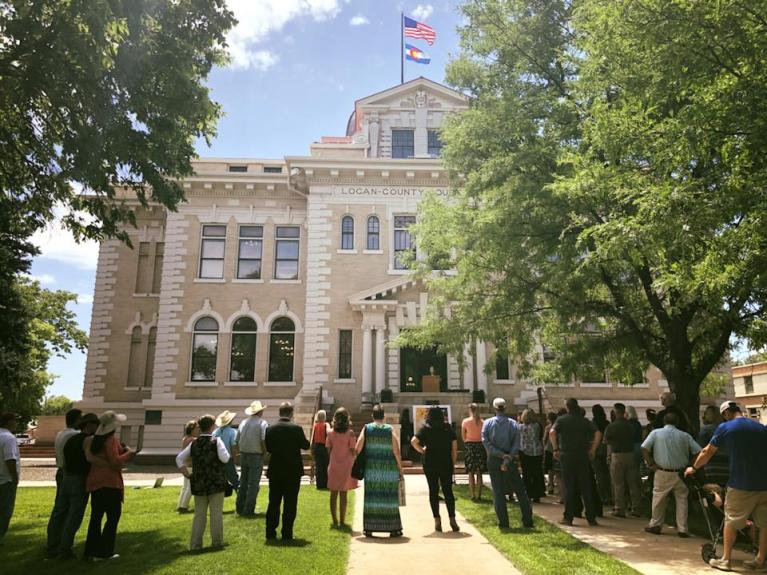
x,y
401,47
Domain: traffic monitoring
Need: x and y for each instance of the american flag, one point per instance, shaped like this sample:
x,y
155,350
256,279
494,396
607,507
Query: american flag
x,y
414,29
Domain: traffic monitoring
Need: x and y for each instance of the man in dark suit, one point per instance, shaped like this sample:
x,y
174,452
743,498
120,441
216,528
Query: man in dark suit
x,y
284,442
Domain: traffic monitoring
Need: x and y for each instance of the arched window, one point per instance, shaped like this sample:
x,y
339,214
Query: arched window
x,y
347,233
204,349
134,359
281,349
242,365
151,346
374,233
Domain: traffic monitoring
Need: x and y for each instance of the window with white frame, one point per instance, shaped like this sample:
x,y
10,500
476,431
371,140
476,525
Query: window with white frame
x,y
282,347
345,354
403,240
212,251
242,365
287,246
749,383
249,252
374,234
204,349
347,233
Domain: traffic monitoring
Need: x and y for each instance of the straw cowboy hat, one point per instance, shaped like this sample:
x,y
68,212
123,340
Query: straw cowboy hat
x,y
109,421
225,418
255,407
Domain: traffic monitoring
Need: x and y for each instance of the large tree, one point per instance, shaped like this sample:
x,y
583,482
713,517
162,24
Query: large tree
x,y
99,99
613,202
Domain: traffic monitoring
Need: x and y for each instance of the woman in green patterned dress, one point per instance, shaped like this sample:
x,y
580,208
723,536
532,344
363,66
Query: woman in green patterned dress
x,y
383,472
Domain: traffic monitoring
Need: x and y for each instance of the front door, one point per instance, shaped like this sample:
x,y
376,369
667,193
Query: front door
x,y
416,363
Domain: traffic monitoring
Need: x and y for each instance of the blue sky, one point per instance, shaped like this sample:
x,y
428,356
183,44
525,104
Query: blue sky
x,y
298,66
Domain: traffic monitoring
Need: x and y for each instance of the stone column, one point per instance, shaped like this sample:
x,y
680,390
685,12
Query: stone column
x,y
367,365
481,361
380,359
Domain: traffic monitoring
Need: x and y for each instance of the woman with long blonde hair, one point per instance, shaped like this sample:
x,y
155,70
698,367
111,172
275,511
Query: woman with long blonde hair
x,y
475,456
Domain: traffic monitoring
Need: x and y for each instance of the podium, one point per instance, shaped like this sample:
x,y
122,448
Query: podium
x,y
430,383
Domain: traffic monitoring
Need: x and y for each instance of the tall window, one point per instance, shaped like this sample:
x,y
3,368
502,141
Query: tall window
x,y
150,349
249,252
749,382
135,359
345,354
402,144
287,249
347,233
243,359
502,360
403,240
204,349
159,254
374,233
143,271
281,349
435,144
212,251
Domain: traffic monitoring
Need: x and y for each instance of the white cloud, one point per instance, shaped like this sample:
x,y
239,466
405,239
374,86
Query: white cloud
x,y
359,20
84,298
56,243
259,18
44,279
422,11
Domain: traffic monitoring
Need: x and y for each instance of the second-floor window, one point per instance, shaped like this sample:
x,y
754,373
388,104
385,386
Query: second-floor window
x,y
374,233
212,252
347,233
402,144
435,144
249,252
403,240
286,252
749,381
502,360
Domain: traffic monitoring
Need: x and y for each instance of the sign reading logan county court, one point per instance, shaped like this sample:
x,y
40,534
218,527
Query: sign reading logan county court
x,y
389,191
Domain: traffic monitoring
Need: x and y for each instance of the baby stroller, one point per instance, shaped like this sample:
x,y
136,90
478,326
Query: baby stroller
x,y
712,505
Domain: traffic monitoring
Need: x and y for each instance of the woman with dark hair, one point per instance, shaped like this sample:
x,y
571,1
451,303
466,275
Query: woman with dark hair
x,y
601,468
341,445
383,472
191,431
437,442
406,434
105,484
475,455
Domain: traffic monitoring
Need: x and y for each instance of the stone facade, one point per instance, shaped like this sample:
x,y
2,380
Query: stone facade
x,y
750,383
343,211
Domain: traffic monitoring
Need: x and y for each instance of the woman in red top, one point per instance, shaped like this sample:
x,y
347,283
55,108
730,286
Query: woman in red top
x,y
319,450
105,484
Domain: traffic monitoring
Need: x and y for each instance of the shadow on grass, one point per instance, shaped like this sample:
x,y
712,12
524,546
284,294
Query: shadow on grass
x,y
298,542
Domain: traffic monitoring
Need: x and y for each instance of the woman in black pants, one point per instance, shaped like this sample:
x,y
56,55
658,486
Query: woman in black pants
x,y
437,442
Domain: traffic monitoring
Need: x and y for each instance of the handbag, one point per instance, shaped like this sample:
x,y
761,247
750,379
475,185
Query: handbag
x,y
402,494
358,469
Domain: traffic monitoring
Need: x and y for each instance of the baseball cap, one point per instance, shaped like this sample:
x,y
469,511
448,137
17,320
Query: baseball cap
x,y
499,403
729,406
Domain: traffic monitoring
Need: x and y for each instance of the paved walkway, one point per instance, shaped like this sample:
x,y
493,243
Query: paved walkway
x,y
626,540
422,549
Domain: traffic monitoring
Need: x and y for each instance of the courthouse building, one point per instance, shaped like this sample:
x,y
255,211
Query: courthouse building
x,y
280,278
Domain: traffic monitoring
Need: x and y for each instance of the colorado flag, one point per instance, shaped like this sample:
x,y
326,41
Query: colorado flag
x,y
416,54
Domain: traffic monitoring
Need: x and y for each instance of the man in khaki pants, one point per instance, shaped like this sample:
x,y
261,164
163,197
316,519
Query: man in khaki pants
x,y
624,468
668,451
208,482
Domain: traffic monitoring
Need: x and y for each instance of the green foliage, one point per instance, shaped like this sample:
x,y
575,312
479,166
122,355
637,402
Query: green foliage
x,y
56,405
47,328
613,200
153,539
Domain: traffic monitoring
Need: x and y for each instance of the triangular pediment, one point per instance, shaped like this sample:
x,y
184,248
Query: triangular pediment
x,y
403,93
386,292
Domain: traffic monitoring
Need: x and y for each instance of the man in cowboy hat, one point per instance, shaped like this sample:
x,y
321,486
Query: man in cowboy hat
x,y
251,443
228,437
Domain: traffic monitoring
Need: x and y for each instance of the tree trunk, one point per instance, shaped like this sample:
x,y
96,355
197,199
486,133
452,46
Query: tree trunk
x,y
687,399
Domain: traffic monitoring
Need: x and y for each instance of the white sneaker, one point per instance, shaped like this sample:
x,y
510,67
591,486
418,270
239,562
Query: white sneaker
x,y
721,564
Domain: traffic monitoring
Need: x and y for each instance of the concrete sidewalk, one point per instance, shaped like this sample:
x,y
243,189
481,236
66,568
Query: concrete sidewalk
x,y
626,540
421,548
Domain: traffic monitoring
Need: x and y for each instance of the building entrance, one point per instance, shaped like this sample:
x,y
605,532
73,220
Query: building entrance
x,y
417,364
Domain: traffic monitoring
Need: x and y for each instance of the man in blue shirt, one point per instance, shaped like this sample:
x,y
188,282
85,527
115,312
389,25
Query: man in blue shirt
x,y
500,436
746,442
667,451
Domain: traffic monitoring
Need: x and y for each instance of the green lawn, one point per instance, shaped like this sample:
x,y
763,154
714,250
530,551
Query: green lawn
x,y
544,550
153,538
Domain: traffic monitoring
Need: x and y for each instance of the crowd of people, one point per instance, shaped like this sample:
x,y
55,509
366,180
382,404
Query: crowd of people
x,y
587,463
